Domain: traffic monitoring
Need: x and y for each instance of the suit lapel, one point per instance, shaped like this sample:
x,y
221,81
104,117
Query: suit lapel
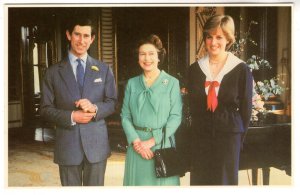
x,y
88,77
68,77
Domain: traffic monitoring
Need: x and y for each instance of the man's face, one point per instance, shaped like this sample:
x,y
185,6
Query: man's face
x,y
80,39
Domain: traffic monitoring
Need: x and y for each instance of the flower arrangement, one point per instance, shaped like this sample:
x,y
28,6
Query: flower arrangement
x,y
268,88
257,106
255,63
262,91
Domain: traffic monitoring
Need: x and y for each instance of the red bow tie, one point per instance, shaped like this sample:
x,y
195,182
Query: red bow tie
x,y
212,101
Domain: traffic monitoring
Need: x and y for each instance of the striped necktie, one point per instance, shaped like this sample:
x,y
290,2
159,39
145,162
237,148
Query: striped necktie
x,y
80,74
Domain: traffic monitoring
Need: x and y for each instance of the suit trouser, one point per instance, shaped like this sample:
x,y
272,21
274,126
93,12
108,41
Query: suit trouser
x,y
85,174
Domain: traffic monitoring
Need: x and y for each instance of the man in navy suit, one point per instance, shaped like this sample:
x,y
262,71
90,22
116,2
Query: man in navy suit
x,y
77,94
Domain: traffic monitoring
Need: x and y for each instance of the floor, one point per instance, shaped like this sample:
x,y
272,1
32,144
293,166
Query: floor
x,y
30,164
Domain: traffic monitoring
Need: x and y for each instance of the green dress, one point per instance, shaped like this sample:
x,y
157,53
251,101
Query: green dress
x,y
154,107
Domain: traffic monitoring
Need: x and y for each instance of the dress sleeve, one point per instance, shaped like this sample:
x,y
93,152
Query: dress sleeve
x,y
175,115
126,117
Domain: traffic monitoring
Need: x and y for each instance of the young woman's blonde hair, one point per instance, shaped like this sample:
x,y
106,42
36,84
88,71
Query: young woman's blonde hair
x,y
225,22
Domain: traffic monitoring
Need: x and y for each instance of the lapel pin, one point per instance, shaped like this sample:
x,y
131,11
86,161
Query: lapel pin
x,y
165,82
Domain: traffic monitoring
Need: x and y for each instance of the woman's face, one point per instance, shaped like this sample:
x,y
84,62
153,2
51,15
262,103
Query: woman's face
x,y
216,42
148,57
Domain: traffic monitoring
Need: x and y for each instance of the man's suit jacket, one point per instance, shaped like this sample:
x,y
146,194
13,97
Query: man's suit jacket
x,y
59,93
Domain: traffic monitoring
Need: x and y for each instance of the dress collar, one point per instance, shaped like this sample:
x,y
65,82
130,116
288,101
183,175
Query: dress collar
x,y
231,62
158,79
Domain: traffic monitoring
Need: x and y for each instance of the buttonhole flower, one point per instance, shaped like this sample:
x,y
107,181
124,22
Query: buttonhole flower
x,y
95,68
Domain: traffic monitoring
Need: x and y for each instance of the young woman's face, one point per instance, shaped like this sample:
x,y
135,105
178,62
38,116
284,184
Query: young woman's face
x,y
216,42
80,39
148,57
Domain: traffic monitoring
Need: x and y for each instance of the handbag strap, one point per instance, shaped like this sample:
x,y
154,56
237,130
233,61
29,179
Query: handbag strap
x,y
164,137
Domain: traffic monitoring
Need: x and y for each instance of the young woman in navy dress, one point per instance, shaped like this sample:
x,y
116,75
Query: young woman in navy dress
x,y
220,96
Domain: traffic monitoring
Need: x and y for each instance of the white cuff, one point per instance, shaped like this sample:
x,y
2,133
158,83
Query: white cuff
x,y
72,122
96,108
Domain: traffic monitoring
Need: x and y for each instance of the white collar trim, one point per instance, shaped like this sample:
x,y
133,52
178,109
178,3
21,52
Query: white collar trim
x,y
231,62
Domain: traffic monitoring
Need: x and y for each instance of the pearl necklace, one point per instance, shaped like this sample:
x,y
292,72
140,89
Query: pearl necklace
x,y
214,66
213,63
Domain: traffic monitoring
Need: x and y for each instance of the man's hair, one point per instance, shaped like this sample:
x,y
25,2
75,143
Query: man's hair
x,y
81,21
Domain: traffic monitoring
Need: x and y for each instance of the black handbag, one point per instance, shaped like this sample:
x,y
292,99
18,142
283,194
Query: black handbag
x,y
166,160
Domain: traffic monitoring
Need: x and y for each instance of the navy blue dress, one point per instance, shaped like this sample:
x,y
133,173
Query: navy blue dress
x,y
217,136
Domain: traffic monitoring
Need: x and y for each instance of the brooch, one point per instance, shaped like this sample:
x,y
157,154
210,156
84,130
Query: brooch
x,y
95,68
165,82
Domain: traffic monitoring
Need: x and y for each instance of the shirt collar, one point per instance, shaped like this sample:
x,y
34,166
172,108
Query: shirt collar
x,y
73,58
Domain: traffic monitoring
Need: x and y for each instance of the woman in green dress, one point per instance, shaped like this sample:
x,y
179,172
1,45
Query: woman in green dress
x,y
152,101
